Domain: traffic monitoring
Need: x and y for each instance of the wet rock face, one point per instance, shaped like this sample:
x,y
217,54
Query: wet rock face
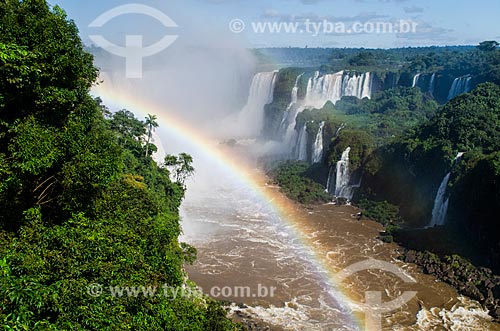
x,y
250,324
254,326
477,283
495,313
341,201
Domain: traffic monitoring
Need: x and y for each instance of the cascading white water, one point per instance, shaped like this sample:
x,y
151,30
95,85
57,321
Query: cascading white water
x,y
460,85
415,80
331,172
357,85
329,180
320,90
301,146
343,176
295,92
287,125
317,154
332,87
261,93
441,201
341,127
432,83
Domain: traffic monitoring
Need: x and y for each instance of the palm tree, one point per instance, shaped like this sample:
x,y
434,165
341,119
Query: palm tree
x,y
151,125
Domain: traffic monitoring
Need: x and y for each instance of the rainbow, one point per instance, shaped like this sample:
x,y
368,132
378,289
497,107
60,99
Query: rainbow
x,y
284,209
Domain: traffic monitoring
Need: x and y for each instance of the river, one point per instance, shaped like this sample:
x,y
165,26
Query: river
x,y
243,240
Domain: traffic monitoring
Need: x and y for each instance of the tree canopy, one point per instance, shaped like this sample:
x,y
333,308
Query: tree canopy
x,y
81,200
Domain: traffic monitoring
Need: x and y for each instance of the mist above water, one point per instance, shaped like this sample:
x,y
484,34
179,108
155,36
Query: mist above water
x,y
240,238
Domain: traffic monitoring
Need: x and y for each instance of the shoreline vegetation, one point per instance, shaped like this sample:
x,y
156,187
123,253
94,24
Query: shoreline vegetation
x,y
477,283
82,202
422,154
83,206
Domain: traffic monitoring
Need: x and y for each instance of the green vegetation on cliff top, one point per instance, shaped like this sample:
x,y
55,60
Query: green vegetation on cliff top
x,y
81,200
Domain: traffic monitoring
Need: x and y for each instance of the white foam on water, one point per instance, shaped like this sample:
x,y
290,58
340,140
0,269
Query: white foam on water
x,y
466,315
295,315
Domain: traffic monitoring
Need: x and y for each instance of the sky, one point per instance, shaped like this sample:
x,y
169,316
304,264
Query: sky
x,y
443,22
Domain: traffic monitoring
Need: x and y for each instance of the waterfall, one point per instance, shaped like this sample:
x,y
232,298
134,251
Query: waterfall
x,y
301,146
342,126
295,92
329,181
332,87
460,85
432,83
287,125
318,145
441,201
342,178
358,86
415,80
251,117
320,90
323,89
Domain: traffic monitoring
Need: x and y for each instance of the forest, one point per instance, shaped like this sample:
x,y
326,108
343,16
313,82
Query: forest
x,y
404,139
423,158
82,202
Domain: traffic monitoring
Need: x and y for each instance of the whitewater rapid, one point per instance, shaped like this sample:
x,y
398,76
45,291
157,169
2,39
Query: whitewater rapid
x,y
242,242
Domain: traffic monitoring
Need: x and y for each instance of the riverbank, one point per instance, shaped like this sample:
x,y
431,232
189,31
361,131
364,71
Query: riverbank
x,y
446,264
440,283
246,248
438,259
477,283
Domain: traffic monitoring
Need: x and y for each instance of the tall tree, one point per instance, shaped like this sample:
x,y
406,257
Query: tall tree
x,y
79,202
488,46
151,125
180,166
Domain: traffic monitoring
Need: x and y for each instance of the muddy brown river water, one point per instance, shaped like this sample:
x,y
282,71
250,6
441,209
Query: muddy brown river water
x,y
243,243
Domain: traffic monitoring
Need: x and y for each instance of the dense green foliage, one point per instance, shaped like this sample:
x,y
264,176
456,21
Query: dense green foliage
x,y
347,58
467,123
292,178
366,124
408,171
382,212
403,142
81,200
281,99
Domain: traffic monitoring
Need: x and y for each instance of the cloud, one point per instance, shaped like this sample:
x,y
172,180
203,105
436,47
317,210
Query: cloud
x,y
361,17
310,2
414,9
386,1
271,13
428,32
472,41
300,17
